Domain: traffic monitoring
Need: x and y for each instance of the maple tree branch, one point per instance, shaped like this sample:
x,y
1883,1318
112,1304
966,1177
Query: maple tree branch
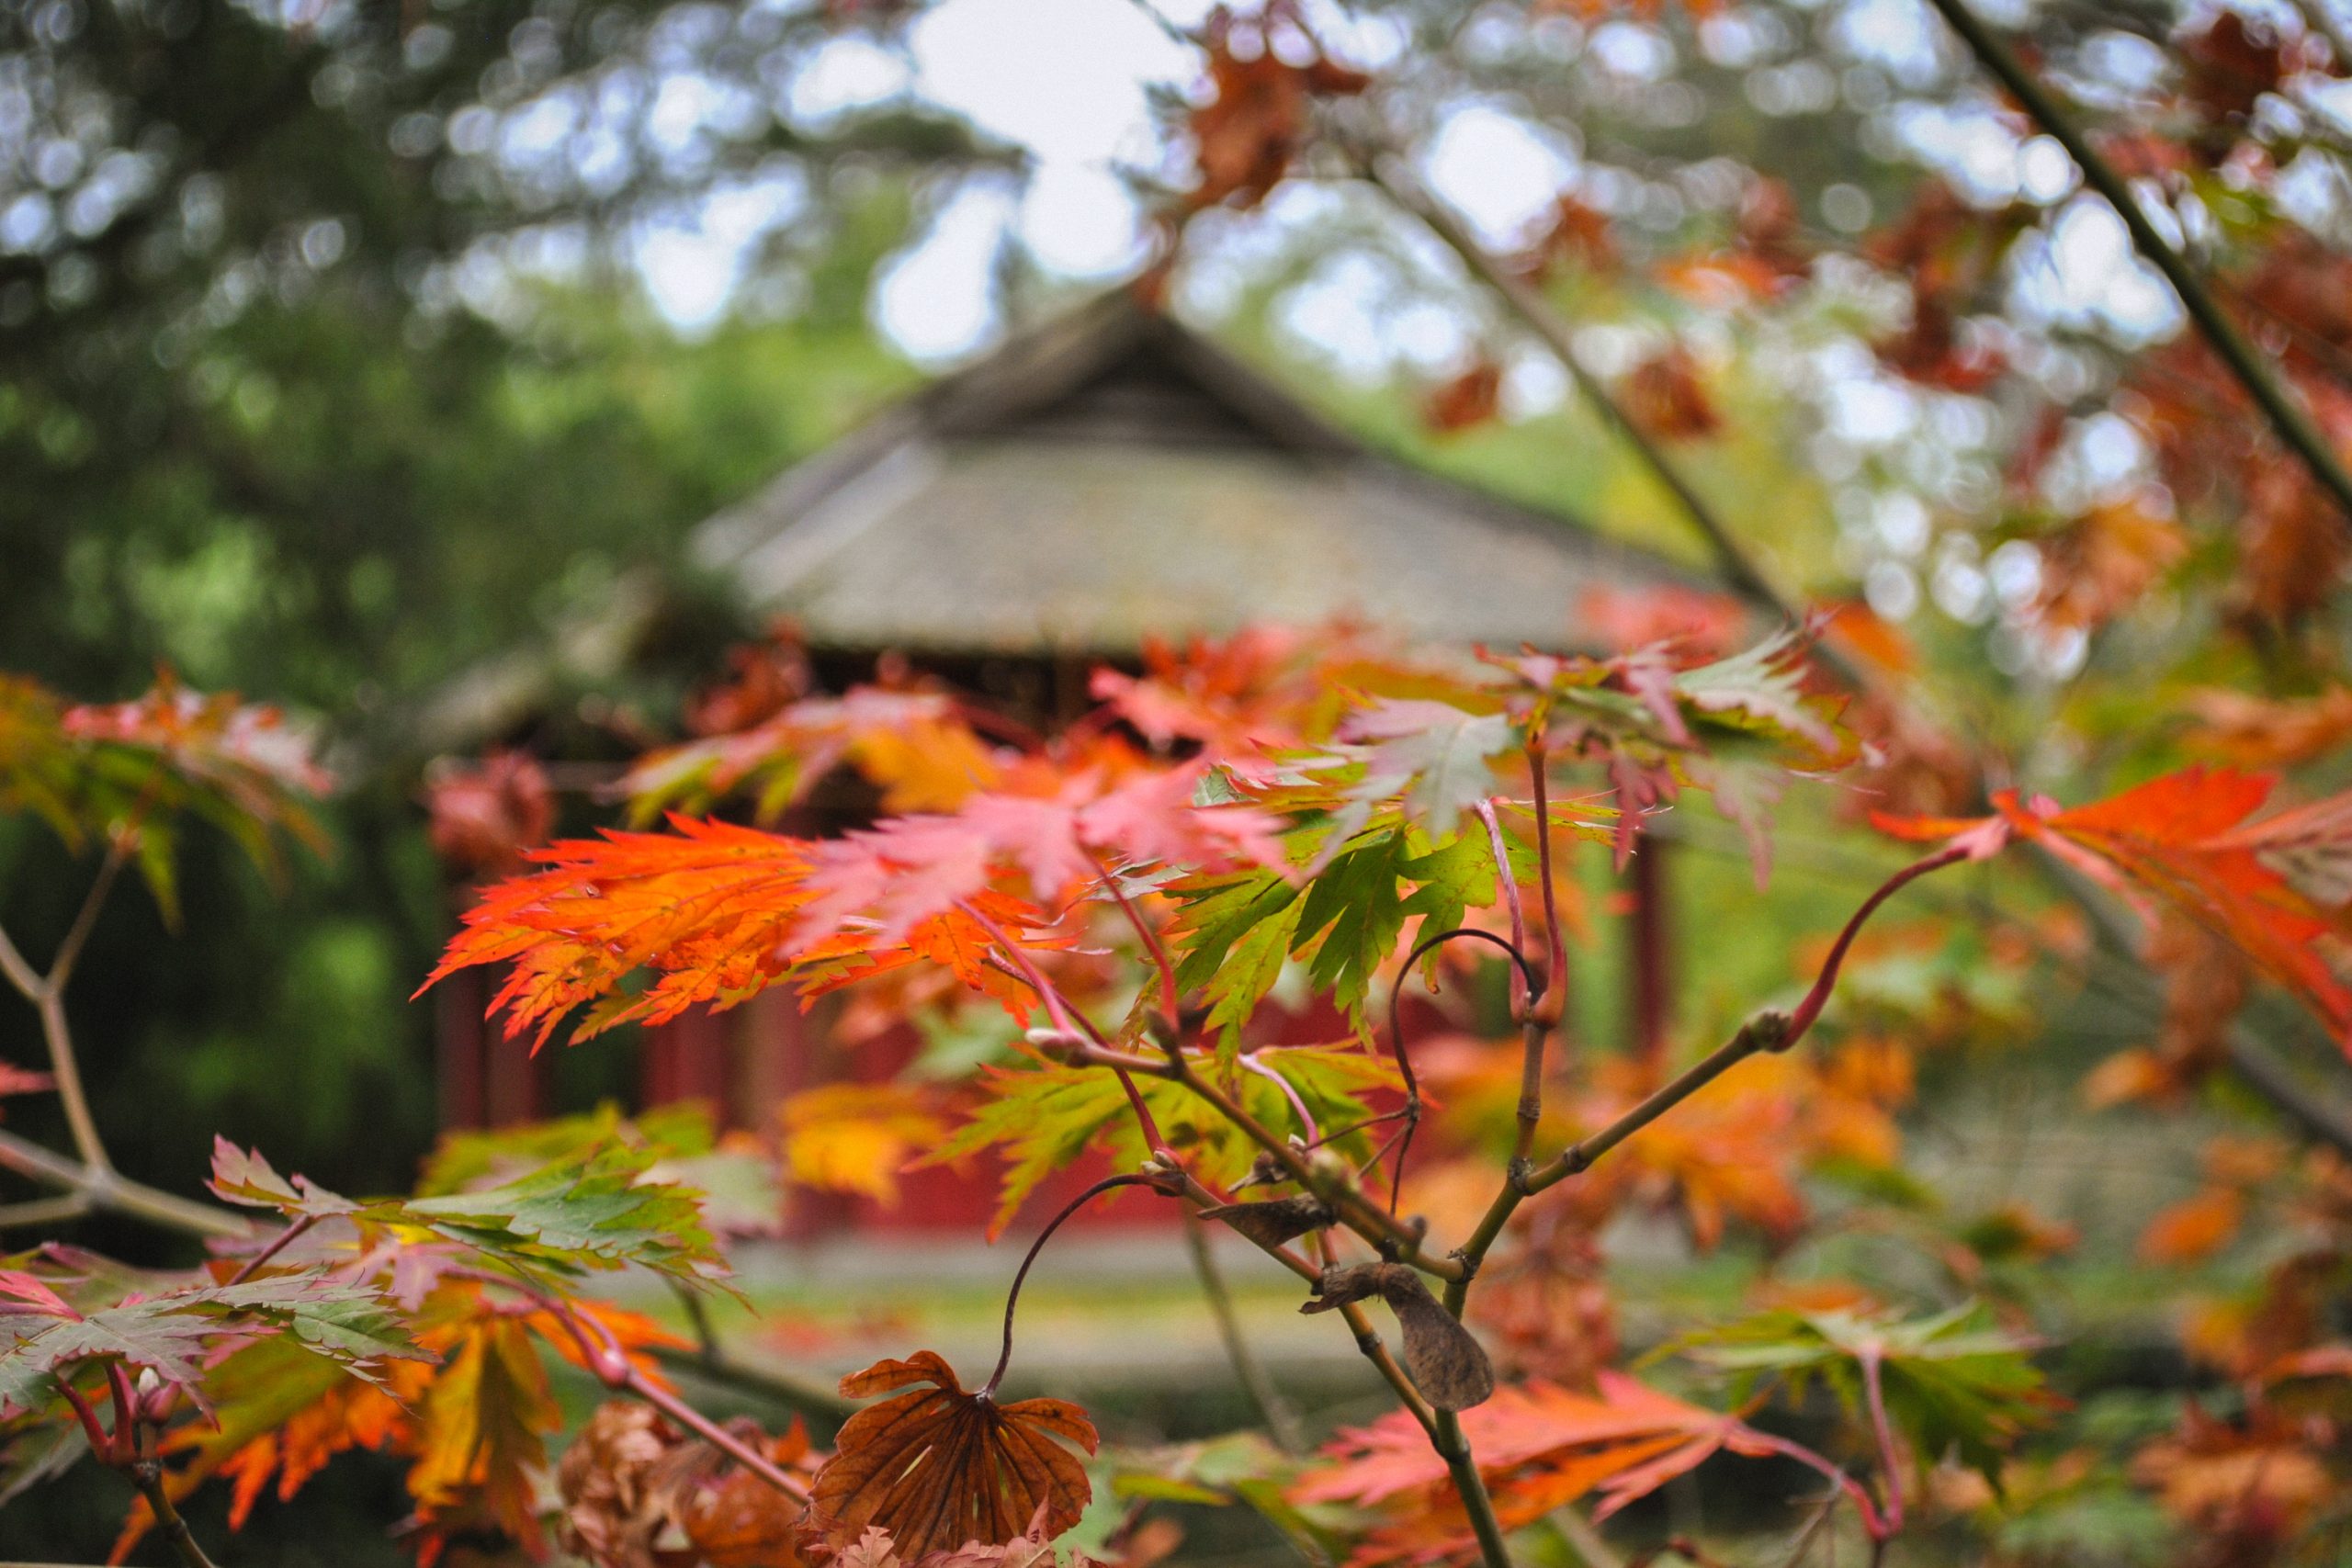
x,y
1767,1031
61,963
65,1072
612,1366
20,974
1454,1448
1282,1420
43,1211
1359,1214
1368,1340
2270,393
1387,173
147,1474
1012,1297
108,1189
1509,887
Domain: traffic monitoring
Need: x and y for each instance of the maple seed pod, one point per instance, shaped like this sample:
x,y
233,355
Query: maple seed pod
x,y
1447,1363
1274,1221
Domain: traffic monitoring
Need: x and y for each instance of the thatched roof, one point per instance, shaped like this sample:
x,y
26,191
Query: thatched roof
x,y
1113,474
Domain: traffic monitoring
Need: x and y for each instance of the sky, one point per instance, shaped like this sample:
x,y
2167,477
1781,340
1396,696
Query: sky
x,y
1068,82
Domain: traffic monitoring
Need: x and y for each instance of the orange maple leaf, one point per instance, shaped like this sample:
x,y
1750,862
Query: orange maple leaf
x,y
2274,889
851,1137
1539,1447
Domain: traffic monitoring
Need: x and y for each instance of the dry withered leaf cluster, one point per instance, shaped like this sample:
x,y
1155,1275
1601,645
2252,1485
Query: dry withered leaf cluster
x,y
638,1493
1447,1363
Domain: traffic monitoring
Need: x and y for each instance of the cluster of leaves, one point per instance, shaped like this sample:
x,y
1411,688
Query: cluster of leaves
x,y
125,772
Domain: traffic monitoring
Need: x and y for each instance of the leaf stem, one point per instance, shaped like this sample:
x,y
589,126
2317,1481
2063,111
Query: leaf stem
x,y
1509,885
1151,944
2286,414
1013,1298
613,1366
278,1244
1889,1460
1767,1031
1072,1023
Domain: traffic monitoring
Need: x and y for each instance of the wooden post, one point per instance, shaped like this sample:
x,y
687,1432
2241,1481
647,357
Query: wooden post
x,y
1649,942
461,1040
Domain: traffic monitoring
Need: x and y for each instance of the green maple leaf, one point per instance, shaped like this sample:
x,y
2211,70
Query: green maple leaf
x,y
1352,916
594,1209
174,1334
1952,1382
1040,1119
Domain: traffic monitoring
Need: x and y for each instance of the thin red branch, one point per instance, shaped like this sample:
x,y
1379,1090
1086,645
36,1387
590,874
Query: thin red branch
x,y
1013,1298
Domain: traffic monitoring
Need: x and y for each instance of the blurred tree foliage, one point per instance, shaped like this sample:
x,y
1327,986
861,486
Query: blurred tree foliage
x,y
322,375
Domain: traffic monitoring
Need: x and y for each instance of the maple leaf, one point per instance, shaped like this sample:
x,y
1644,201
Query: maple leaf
x,y
1470,399
1539,1447
485,814
1232,934
174,1334
1042,1118
2274,888
706,905
594,1209
633,1486
2258,732
857,1137
915,745
2259,1478
937,1466
1578,231
1951,1381
2104,562
1664,395
1430,754
2196,1227
482,1431
133,768
1255,121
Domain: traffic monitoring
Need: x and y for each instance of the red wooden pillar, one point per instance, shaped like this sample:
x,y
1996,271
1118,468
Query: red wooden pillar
x,y
689,1058
461,1042
1650,950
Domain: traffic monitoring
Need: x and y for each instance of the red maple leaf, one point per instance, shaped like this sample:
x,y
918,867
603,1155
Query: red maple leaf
x,y
2274,889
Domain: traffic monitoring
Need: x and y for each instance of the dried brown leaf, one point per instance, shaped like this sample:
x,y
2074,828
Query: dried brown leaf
x,y
1448,1364
939,1468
